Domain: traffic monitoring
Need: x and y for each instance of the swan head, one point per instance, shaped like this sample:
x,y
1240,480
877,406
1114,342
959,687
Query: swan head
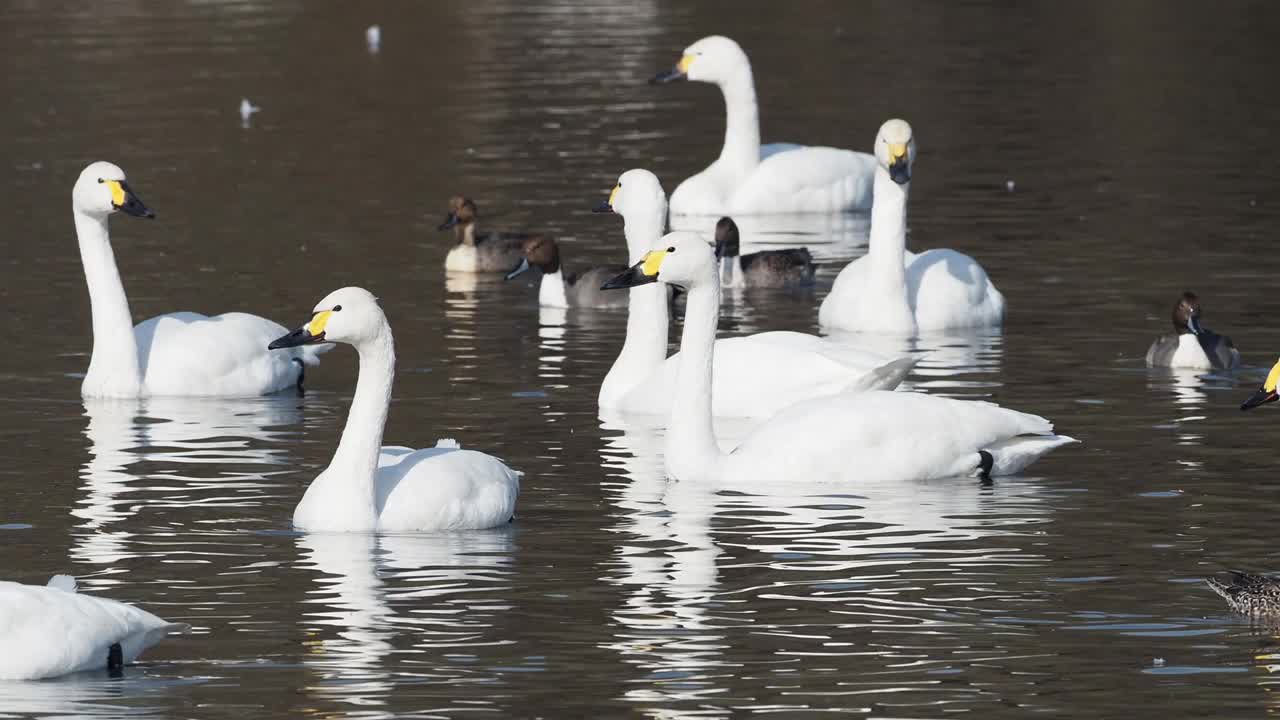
x,y
350,315
540,251
102,190
727,242
636,193
1186,314
896,150
712,59
462,211
686,260
1265,394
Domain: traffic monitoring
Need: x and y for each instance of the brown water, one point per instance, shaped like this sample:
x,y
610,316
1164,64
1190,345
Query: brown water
x,y
1139,139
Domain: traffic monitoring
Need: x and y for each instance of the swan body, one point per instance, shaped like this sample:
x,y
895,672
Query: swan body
x,y
1192,345
180,353
754,375
371,487
560,290
870,435
478,252
749,178
50,630
892,290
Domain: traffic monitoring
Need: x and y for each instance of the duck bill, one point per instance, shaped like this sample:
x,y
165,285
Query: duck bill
x,y
301,336
1260,397
1193,325
633,276
449,221
518,270
672,75
124,199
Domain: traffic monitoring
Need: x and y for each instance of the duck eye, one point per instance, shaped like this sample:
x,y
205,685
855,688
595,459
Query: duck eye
x,y
336,308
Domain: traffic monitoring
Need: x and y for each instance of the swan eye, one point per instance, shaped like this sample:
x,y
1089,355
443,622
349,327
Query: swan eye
x,y
336,308
671,249
99,181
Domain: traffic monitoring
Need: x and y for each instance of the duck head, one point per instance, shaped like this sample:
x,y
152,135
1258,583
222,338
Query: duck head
x,y
727,242
462,211
540,252
1186,314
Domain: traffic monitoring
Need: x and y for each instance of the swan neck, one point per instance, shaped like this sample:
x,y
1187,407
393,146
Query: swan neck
x,y
645,346
888,242
355,462
551,293
691,447
741,151
644,230
115,351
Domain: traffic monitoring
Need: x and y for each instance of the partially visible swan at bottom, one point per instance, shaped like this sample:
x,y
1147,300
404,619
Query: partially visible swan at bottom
x,y
892,290
372,487
50,630
870,436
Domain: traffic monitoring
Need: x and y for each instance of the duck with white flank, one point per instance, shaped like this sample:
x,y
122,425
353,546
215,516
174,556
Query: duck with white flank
x,y
851,436
1192,345
559,289
478,252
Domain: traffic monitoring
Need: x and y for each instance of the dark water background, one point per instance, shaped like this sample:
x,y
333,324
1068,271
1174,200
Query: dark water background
x,y
1138,135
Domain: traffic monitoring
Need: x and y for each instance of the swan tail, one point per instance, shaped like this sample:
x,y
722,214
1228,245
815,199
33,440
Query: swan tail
x,y
1012,456
886,377
66,583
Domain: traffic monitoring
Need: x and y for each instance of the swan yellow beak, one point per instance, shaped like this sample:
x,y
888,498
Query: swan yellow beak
x,y
642,273
312,332
1266,393
685,62
124,200
899,169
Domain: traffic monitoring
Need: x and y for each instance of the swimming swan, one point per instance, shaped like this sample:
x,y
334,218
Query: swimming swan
x,y
50,630
748,179
558,290
790,267
892,290
1192,345
868,436
755,375
489,252
181,353
369,486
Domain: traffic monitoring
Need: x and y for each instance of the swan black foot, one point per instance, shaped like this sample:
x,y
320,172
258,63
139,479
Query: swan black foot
x,y
986,461
115,660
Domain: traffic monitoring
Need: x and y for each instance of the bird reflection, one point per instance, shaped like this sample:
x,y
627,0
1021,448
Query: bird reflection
x,y
551,351
1187,389
353,621
140,450
946,358
863,549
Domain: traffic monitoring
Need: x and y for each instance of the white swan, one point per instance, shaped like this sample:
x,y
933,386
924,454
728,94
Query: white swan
x,y
869,436
895,291
755,375
750,179
369,486
50,630
180,353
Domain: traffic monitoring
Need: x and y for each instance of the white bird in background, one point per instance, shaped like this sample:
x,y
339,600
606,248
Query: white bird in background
x,y
182,353
50,630
373,38
247,109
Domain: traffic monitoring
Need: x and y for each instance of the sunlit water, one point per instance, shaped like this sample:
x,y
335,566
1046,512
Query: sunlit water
x,y
1138,140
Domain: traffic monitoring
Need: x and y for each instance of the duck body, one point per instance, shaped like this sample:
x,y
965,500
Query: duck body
x,y
748,178
1249,594
368,487
1192,345
789,267
175,354
476,251
560,290
843,437
48,631
892,290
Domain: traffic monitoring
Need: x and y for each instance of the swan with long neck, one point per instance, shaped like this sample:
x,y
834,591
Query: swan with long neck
x,y
892,290
371,487
846,436
180,353
750,179
755,376
51,630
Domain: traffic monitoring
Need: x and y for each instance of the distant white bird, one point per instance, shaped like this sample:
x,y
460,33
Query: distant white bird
x,y
246,110
373,37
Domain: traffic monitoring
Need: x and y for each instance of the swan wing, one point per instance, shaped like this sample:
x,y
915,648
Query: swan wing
x,y
49,631
445,488
880,436
948,289
192,354
806,179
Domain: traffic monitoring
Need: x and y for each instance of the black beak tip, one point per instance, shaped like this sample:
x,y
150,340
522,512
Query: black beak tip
x,y
149,214
1261,397
603,207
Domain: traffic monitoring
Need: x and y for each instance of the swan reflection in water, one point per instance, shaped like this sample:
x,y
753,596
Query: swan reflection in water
x,y
857,555
163,453
379,594
948,360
